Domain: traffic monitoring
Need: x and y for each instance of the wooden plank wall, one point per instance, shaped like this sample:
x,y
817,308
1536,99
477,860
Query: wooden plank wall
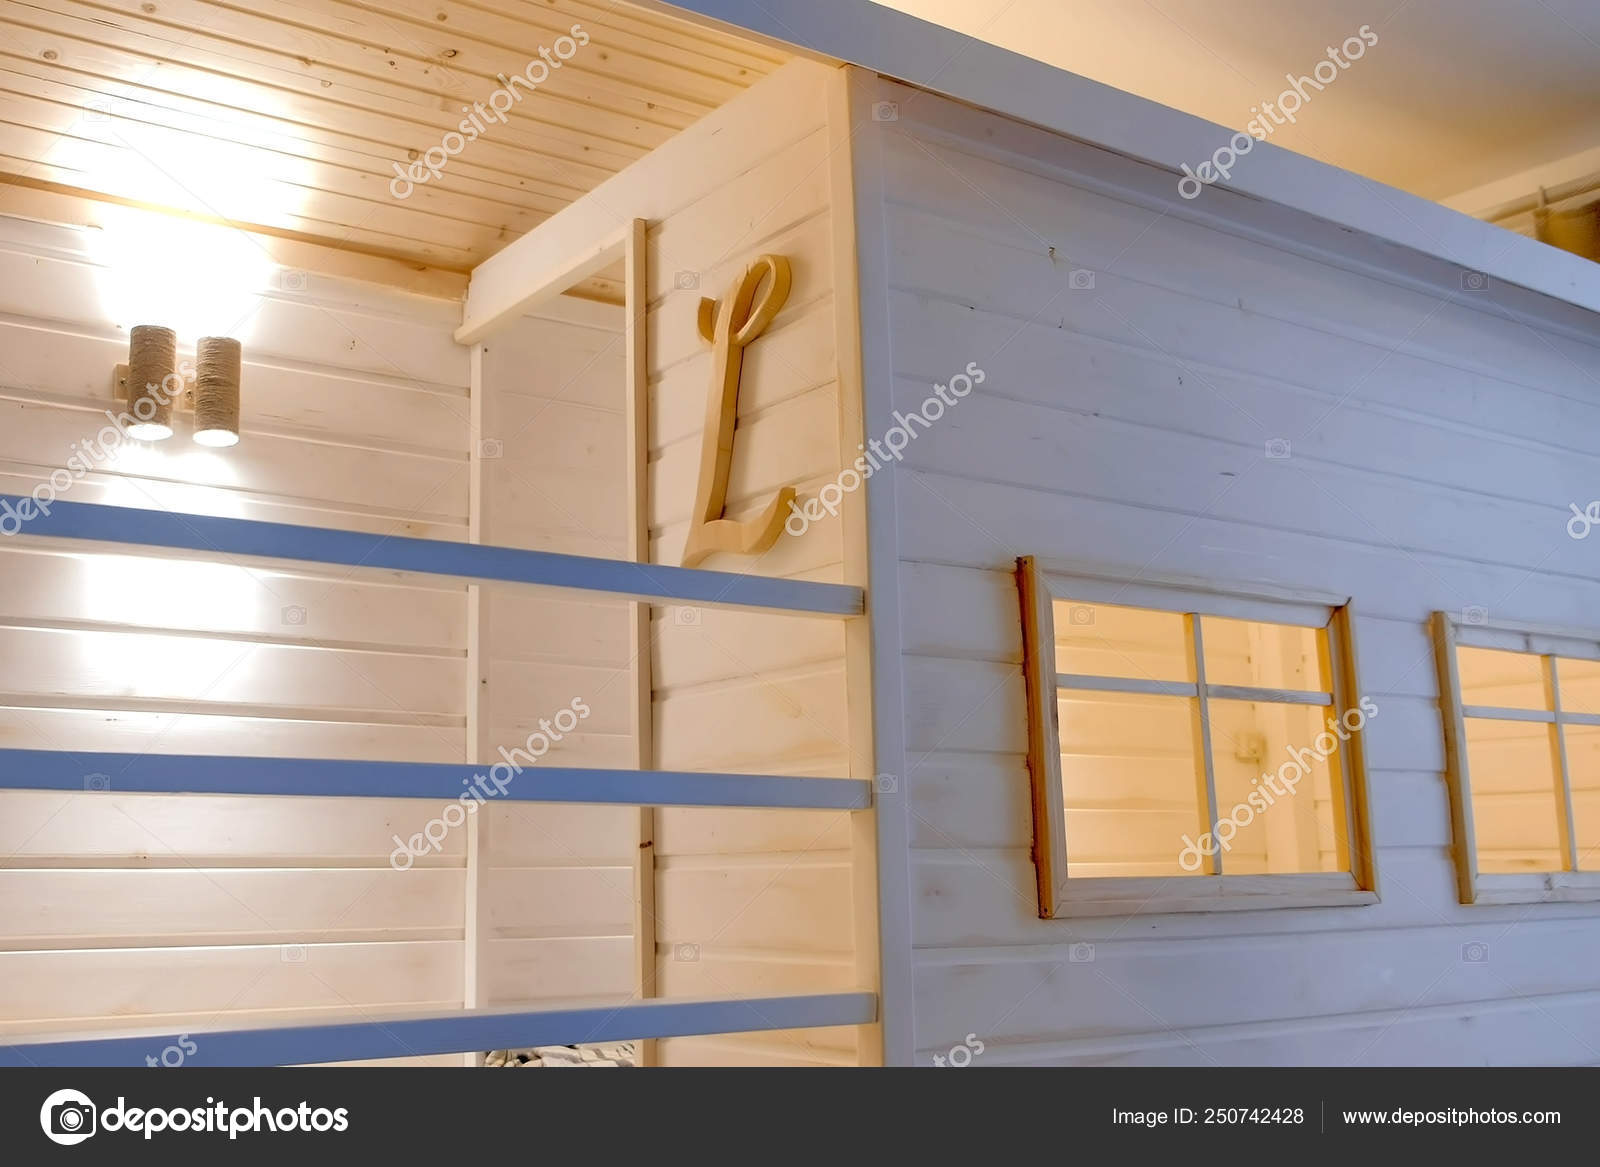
x,y
183,910
753,901
560,880
1437,440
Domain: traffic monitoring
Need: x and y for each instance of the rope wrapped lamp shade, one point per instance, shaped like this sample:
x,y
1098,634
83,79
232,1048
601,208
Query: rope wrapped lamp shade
x,y
216,391
152,365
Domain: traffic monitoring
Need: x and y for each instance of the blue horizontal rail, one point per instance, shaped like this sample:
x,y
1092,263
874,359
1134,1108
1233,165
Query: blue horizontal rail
x,y
221,774
462,1031
209,535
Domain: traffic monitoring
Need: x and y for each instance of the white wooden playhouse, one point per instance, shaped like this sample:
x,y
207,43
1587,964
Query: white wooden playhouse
x,y
805,548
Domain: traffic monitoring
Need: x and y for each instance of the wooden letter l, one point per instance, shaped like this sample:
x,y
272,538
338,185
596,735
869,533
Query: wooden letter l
x,y
728,326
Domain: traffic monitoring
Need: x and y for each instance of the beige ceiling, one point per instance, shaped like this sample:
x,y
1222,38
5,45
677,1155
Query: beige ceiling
x,y
1455,93
290,114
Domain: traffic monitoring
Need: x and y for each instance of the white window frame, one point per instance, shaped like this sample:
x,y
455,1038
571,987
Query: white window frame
x,y
1572,884
1039,586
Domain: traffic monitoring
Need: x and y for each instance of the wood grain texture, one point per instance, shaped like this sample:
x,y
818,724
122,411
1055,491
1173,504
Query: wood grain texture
x,y
558,889
191,908
744,899
319,108
729,326
1044,746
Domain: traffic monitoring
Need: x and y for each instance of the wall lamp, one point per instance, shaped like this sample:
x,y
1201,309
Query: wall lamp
x,y
155,386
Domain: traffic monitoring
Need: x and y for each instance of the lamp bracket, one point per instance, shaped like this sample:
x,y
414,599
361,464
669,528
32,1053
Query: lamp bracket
x,y
184,402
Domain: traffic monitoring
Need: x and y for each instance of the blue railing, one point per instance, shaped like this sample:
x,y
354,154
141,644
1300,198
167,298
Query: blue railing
x,y
400,1035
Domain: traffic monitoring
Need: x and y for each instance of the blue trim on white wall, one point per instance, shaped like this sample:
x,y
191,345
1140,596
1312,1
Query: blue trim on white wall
x,y
462,1031
223,537
207,774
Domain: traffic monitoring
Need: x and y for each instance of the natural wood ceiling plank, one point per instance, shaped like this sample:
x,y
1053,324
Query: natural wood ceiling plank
x,y
669,31
616,28
516,171
290,118
275,181
507,148
391,48
357,75
64,110
616,59
334,233
77,47
52,203
67,123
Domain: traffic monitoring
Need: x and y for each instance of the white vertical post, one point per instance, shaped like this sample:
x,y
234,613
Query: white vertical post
x,y
881,841
475,990
858,670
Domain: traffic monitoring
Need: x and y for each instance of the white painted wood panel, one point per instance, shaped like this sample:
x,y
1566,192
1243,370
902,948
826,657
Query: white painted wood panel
x,y
191,908
104,908
542,969
1435,444
133,982
43,829
558,884
750,902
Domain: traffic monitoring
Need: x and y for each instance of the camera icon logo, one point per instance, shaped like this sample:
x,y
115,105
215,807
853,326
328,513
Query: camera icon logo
x,y
686,953
68,1117
1474,614
1081,615
97,782
292,953
686,617
292,281
1080,279
1081,953
491,448
294,615
686,281
1277,449
1475,952
1474,281
886,111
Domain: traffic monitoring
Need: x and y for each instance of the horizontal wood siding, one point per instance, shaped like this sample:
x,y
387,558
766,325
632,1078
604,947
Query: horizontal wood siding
x,y
749,902
1125,420
183,909
559,883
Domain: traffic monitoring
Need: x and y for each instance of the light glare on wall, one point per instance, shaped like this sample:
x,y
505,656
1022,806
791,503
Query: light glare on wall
x,y
199,278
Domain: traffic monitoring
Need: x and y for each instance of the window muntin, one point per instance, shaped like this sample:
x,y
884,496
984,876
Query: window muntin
x,y
1132,784
1191,745
1187,755
1522,716
1305,832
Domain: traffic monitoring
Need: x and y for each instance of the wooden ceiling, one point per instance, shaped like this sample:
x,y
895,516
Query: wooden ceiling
x,y
289,115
